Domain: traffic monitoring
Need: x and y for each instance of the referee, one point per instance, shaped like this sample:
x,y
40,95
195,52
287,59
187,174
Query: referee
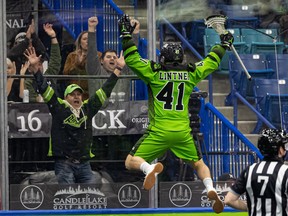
x,y
266,182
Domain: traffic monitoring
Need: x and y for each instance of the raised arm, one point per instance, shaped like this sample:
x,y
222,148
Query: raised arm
x,y
55,56
97,100
36,42
42,85
34,60
93,64
140,66
23,70
136,31
120,64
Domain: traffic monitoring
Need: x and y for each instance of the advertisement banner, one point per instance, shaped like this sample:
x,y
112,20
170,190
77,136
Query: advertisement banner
x,y
26,120
84,196
190,194
182,194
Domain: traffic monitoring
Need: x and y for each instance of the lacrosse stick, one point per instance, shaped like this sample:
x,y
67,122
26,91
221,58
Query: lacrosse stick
x,y
217,22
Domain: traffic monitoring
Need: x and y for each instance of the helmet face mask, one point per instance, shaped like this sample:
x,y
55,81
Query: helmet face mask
x,y
271,140
171,53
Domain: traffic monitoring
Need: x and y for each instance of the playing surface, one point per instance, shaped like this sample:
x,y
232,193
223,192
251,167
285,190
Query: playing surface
x,y
185,214
126,212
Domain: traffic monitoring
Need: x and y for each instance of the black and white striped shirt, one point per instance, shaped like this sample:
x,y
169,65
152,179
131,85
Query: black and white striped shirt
x,y
266,187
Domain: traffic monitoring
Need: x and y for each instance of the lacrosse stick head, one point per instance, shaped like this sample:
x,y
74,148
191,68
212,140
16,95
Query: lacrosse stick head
x,y
217,22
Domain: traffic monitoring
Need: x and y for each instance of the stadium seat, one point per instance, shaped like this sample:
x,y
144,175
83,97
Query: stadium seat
x,y
240,15
195,31
273,103
262,41
256,66
211,38
167,34
237,10
279,63
247,86
270,94
242,22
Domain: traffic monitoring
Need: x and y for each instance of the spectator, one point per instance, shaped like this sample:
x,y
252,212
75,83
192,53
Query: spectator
x,y
265,182
107,64
11,70
78,61
22,42
53,67
170,85
71,130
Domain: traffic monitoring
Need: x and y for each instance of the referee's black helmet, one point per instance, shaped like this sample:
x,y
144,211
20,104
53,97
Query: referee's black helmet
x,y
270,141
171,53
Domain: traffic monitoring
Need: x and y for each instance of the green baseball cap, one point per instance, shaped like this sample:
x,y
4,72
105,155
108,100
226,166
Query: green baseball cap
x,y
72,88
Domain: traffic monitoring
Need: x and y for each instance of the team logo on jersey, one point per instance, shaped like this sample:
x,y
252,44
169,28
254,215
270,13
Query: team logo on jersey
x,y
180,194
31,197
129,195
74,122
199,63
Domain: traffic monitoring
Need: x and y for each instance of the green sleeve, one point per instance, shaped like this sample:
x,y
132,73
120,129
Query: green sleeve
x,y
208,65
54,64
96,101
141,67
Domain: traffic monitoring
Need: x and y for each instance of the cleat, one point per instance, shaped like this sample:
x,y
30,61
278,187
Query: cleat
x,y
150,178
217,204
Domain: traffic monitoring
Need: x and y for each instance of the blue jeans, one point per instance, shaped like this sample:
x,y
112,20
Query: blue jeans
x,y
69,173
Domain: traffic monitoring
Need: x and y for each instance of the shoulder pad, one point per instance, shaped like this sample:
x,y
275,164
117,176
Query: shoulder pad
x,y
191,67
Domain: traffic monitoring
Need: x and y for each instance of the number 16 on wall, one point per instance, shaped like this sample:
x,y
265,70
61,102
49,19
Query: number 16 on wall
x,y
34,123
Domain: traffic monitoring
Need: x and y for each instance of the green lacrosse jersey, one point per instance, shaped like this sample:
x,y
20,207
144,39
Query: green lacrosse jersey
x,y
170,86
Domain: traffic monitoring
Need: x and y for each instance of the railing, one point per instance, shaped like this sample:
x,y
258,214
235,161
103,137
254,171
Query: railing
x,y
228,150
74,14
179,35
143,47
261,119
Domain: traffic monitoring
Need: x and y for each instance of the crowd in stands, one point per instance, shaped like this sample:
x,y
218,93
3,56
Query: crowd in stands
x,y
23,40
85,59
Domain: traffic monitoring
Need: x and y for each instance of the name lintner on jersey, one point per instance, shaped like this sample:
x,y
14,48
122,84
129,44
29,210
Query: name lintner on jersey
x,y
173,76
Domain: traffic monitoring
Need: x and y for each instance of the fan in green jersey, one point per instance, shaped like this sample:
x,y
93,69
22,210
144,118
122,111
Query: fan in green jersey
x,y
169,85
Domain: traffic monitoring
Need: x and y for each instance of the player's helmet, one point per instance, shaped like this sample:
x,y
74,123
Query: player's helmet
x,y
171,53
270,141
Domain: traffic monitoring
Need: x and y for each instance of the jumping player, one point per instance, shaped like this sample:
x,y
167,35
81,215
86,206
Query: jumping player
x,y
169,85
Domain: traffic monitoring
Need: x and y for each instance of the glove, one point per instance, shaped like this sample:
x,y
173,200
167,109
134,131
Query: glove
x,y
125,27
227,40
